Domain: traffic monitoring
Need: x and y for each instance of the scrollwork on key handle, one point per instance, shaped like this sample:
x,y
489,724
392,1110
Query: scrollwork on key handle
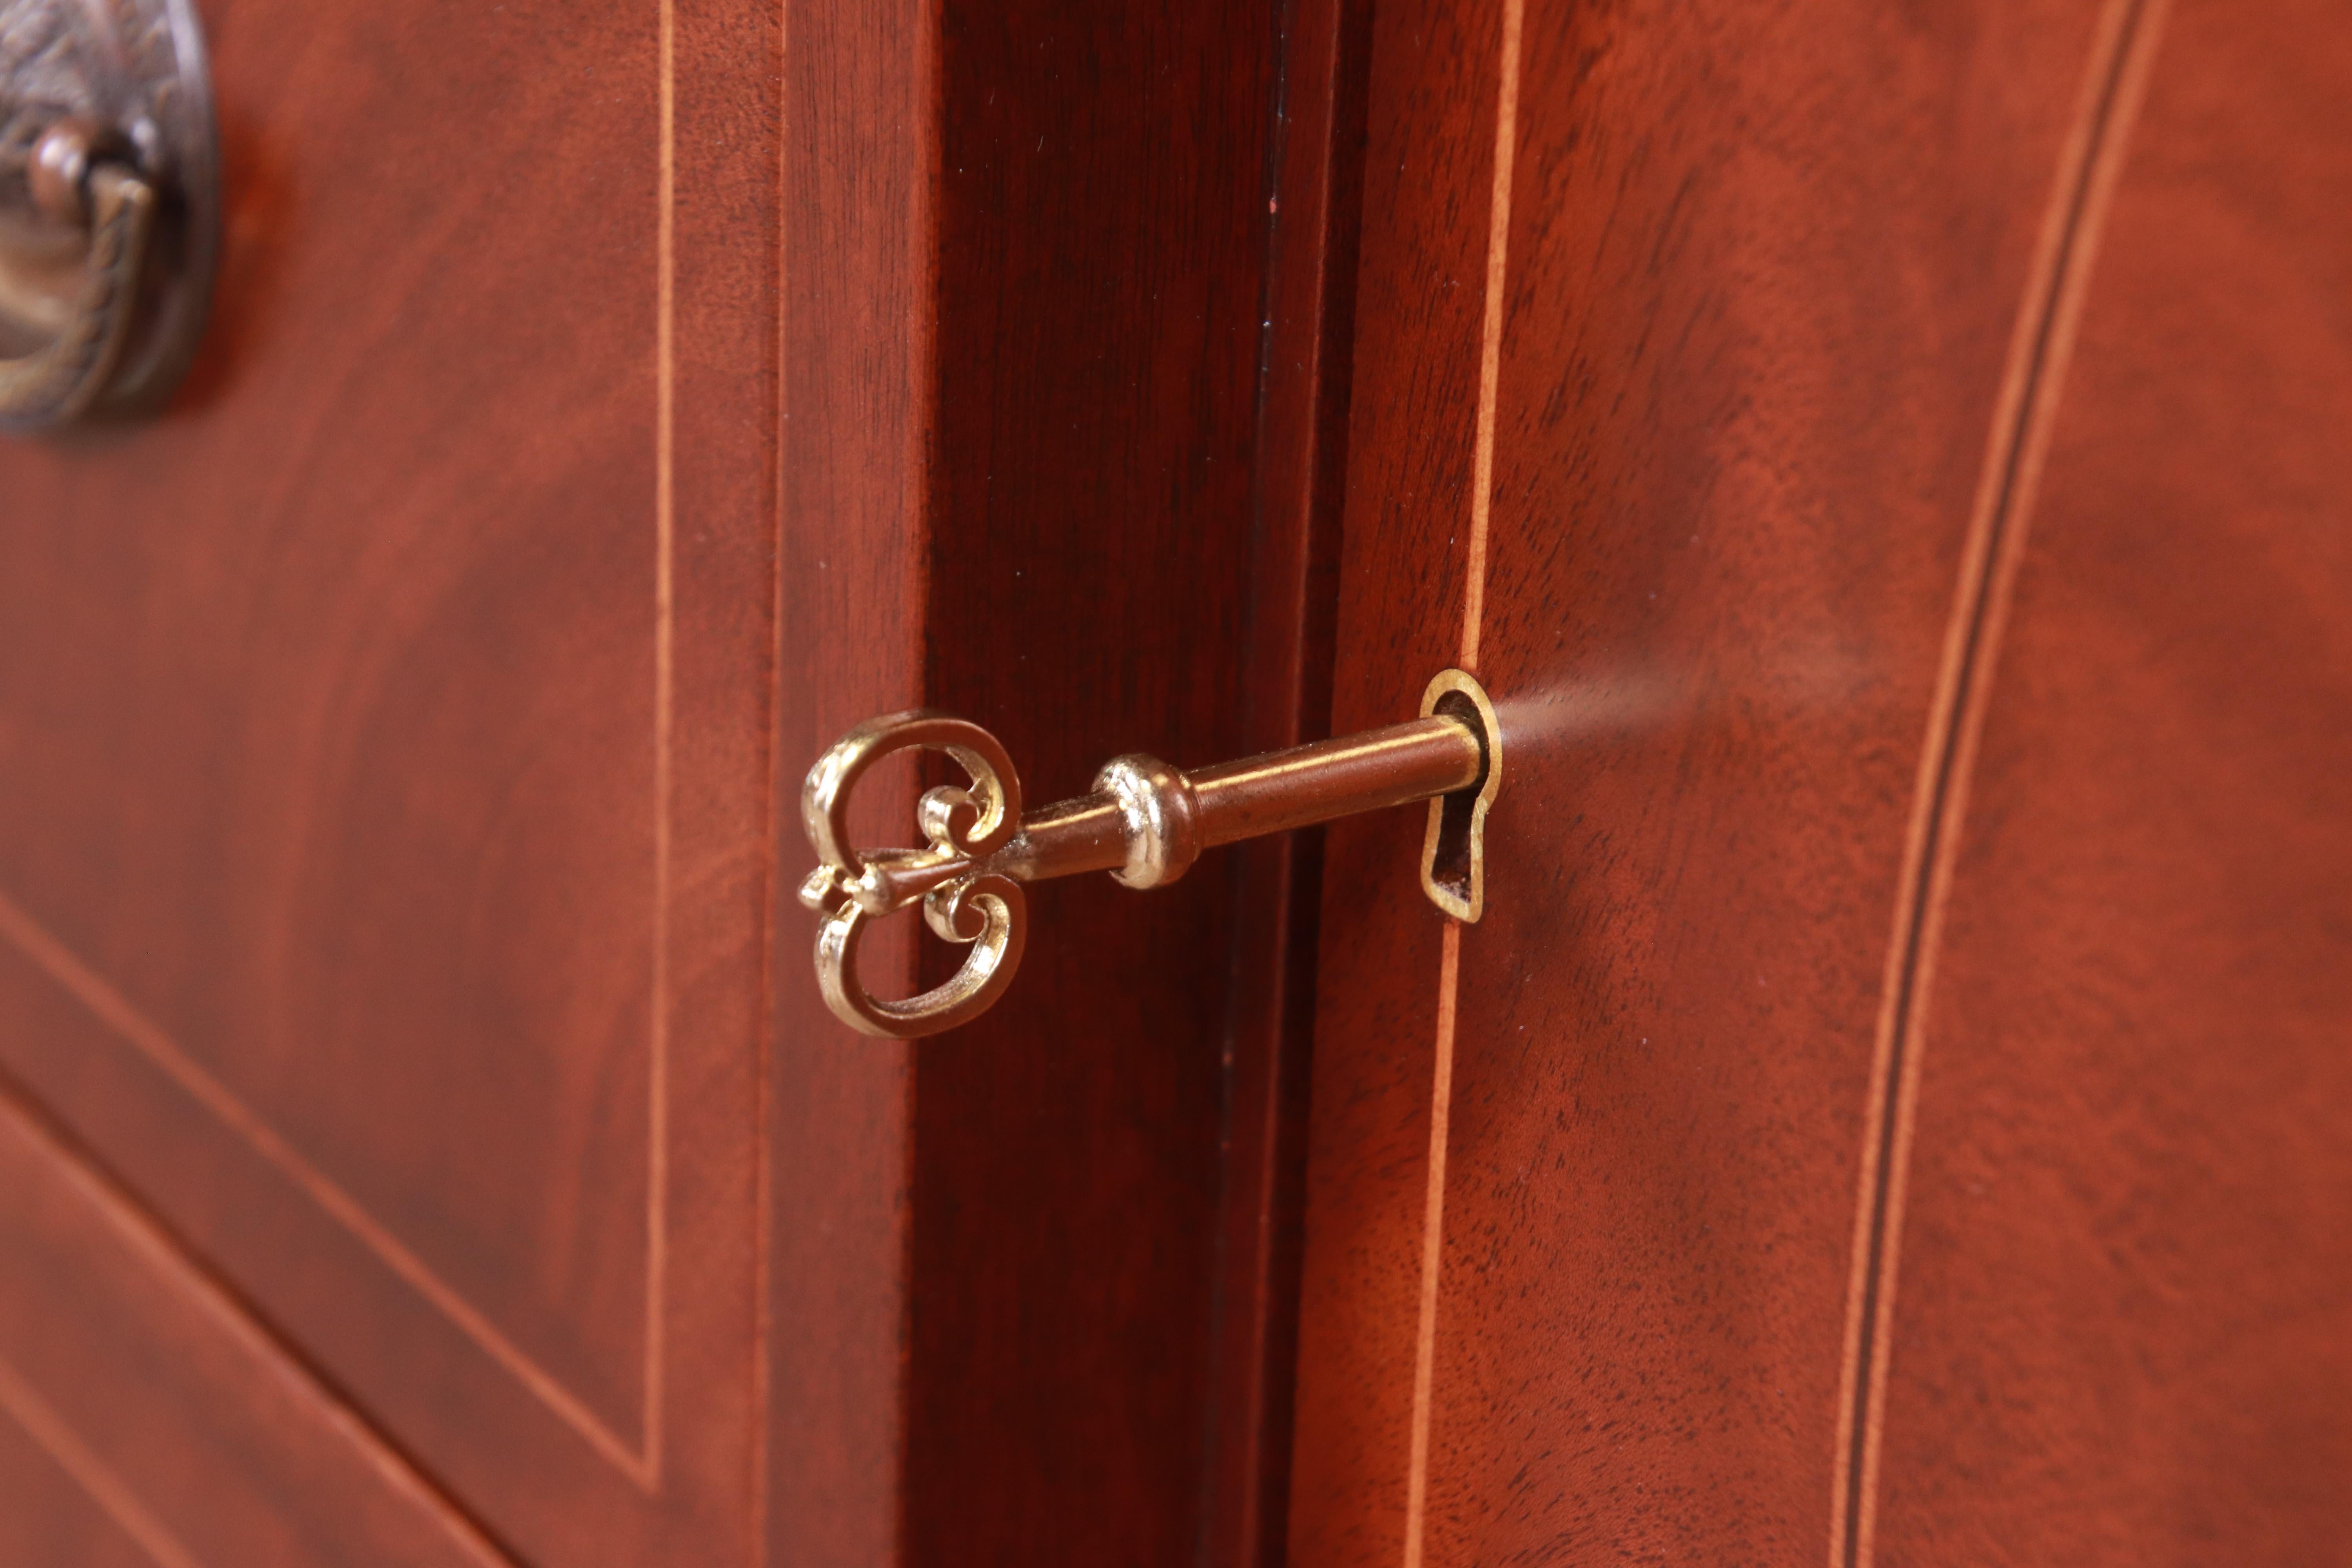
x,y
1145,824
964,899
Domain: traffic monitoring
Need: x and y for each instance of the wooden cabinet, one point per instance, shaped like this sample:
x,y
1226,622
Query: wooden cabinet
x,y
1888,465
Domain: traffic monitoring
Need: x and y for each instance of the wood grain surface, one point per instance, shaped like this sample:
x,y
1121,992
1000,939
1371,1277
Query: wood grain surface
x,y
1738,326
1083,396
402,739
55,1514
2119,1331
147,1417
1778,362
1888,464
857,167
1093,502
386,756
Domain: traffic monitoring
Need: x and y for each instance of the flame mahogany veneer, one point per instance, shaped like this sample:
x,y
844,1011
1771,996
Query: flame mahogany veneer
x,y
1896,1098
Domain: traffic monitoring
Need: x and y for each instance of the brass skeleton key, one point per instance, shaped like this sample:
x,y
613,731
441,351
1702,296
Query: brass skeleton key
x,y
1145,823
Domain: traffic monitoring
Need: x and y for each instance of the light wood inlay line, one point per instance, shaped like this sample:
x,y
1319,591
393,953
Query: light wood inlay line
x,y
773,831
1474,611
92,1474
172,1273
1433,1245
109,1007
1490,339
664,690
2089,166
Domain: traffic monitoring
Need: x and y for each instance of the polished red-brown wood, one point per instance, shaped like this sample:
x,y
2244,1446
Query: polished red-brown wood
x,y
1101,237
2118,1330
1780,350
386,792
854,276
600,417
1066,474
1775,299
146,1416
1895,472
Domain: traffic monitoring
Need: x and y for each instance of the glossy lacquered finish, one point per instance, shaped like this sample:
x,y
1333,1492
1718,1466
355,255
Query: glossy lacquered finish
x,y
2118,1332
386,729
1027,258
1884,462
1708,361
402,733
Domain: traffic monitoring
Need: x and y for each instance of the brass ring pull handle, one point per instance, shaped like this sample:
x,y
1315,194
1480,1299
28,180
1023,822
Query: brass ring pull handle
x,y
60,380
108,207
1145,824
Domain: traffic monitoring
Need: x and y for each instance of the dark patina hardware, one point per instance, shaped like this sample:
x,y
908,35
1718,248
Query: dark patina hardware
x,y
109,207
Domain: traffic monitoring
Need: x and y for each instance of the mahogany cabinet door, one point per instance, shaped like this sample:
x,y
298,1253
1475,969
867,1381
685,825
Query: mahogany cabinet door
x,y
1890,467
